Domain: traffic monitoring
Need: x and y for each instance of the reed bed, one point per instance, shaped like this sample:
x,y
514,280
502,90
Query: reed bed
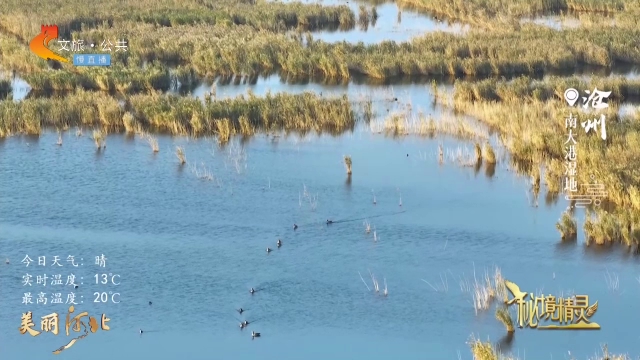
x,y
550,88
464,10
567,226
23,20
485,350
242,50
179,115
112,79
532,127
531,50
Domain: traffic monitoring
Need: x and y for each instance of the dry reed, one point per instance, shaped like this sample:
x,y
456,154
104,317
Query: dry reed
x,y
487,351
504,316
181,116
567,226
347,164
510,105
182,159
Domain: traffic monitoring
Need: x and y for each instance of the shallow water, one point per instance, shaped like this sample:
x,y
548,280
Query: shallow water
x,y
388,27
404,97
195,247
558,22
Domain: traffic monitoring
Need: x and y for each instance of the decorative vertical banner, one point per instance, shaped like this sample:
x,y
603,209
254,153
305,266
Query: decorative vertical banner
x,y
594,191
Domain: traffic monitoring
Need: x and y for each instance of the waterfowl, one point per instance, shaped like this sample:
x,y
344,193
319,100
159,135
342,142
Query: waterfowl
x,y
150,303
295,226
242,325
252,290
279,243
255,334
245,323
7,261
329,221
268,250
75,286
240,311
141,331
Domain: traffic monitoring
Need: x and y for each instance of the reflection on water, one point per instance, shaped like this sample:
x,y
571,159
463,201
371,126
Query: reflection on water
x,y
554,21
393,24
560,22
195,246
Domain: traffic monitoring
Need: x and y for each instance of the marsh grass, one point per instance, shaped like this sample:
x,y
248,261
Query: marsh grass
x,y
375,285
488,154
482,11
567,226
460,155
309,198
202,172
348,163
364,17
504,316
488,290
99,138
603,228
477,152
211,51
442,286
24,21
182,159
550,88
508,108
153,142
367,227
181,116
487,351
402,124
612,280
237,155
112,79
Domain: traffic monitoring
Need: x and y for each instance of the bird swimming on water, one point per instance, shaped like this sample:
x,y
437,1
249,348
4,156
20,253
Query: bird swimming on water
x,y
141,331
255,334
295,226
150,303
268,250
7,261
329,221
252,290
279,243
240,311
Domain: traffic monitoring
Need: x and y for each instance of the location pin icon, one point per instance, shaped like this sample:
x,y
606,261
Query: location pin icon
x,y
571,95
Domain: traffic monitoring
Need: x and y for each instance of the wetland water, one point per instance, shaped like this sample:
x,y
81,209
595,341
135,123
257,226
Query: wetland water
x,y
194,247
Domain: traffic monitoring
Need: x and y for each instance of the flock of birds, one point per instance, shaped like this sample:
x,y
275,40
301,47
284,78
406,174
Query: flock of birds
x,y
245,323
